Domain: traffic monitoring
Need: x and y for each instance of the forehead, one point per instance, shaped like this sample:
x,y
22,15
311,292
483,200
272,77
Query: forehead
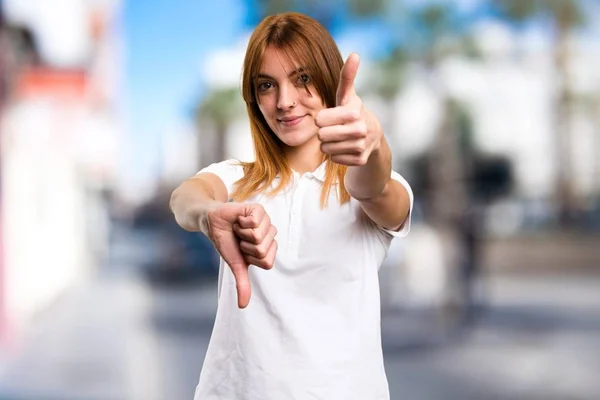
x,y
277,62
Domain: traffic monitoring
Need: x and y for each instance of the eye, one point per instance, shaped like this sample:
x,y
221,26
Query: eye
x,y
303,79
264,86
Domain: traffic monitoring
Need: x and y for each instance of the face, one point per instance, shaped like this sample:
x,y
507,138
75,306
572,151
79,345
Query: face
x,y
288,107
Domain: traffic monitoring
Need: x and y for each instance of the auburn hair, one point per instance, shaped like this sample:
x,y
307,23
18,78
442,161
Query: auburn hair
x,y
308,44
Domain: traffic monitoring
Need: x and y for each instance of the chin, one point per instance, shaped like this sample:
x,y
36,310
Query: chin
x,y
295,139
298,136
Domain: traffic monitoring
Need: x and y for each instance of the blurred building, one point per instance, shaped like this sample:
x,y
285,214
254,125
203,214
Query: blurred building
x,y
60,140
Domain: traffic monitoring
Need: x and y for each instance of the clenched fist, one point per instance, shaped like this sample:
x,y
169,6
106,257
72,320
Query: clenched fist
x,y
243,235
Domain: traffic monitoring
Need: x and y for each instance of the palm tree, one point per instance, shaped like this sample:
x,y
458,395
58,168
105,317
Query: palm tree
x,y
385,81
565,16
214,115
435,38
448,163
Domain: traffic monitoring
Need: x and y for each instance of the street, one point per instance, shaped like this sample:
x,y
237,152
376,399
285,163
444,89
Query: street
x,y
121,337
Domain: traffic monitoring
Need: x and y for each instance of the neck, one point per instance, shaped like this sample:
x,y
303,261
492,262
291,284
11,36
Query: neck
x,y
305,158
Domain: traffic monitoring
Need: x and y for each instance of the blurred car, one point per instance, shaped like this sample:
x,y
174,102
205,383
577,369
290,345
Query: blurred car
x,y
170,253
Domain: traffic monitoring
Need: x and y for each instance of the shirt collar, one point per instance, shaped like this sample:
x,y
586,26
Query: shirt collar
x,y
318,173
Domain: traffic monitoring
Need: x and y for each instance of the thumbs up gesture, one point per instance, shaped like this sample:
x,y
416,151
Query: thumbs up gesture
x,y
243,235
348,132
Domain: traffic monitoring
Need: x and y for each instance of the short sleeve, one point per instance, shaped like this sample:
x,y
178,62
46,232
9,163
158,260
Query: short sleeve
x,y
229,171
406,227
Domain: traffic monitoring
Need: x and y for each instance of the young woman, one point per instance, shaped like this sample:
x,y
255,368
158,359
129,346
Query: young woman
x,y
302,230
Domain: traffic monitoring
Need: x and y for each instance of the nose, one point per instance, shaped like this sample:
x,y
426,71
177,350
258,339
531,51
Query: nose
x,y
287,97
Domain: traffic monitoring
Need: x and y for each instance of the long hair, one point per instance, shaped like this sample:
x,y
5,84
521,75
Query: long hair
x,y
306,42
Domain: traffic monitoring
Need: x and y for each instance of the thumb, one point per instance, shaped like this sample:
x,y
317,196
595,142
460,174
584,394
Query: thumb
x,y
242,283
231,253
347,75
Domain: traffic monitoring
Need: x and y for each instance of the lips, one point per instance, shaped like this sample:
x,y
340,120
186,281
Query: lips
x,y
291,120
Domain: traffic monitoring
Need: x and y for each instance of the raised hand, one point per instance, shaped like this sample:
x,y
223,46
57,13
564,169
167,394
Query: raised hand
x,y
243,235
348,132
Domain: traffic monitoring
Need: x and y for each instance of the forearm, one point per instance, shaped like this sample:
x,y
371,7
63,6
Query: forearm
x,y
368,181
190,203
383,199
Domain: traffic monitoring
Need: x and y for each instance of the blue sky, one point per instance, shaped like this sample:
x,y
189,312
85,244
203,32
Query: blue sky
x,y
165,41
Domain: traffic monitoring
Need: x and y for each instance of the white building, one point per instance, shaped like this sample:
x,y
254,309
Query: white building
x,y
60,137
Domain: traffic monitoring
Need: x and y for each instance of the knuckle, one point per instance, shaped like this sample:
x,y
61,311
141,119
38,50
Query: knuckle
x,y
254,235
354,115
361,145
269,264
261,252
320,134
362,129
319,120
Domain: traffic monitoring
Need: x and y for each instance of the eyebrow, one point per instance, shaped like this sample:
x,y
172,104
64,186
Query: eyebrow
x,y
296,72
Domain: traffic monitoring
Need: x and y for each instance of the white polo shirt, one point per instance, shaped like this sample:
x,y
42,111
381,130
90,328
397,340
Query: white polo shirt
x,y
312,328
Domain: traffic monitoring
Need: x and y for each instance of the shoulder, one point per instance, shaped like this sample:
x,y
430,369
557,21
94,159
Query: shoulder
x,y
228,172
226,168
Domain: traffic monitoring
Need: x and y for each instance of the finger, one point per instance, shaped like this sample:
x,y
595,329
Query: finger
x,y
253,235
350,159
266,262
347,75
252,217
259,250
337,116
338,133
350,147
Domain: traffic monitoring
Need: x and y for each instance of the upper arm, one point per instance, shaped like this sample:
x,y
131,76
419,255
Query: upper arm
x,y
221,177
214,184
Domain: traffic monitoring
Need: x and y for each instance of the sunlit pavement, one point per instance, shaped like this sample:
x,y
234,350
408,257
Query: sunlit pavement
x,y
119,337
115,338
536,339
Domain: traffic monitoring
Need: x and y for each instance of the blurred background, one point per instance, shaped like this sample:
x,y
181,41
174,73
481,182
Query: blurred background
x,y
492,108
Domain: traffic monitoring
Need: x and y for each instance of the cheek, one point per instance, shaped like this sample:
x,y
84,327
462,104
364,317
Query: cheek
x,y
315,102
267,114
266,107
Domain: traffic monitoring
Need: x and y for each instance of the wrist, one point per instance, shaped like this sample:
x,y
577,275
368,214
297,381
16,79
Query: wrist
x,y
376,132
202,216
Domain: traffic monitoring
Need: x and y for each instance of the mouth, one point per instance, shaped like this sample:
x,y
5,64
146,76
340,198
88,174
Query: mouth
x,y
291,120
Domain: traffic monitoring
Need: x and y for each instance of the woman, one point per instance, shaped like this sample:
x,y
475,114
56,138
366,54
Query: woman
x,y
305,227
